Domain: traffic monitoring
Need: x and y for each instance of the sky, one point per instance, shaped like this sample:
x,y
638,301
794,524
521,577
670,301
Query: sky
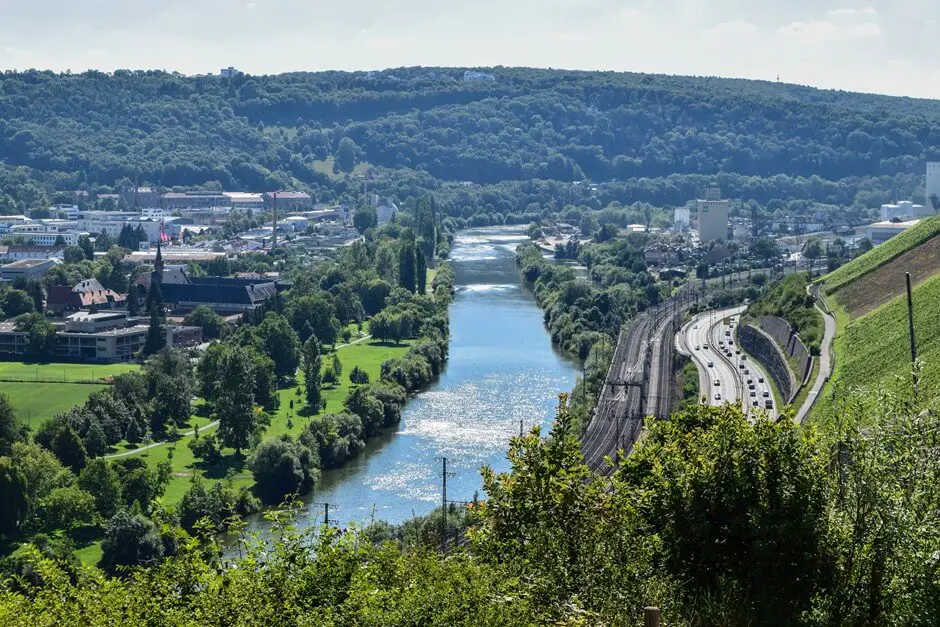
x,y
881,46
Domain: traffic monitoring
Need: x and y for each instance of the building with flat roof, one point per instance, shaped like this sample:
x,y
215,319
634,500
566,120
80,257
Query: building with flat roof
x,y
99,337
194,200
713,216
16,252
289,201
27,269
881,232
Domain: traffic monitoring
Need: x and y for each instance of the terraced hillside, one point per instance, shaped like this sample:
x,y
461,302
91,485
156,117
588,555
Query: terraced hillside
x,y
873,350
882,254
886,282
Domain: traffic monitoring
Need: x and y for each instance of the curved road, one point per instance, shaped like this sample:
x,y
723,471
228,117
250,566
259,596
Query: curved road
x,y
726,374
825,357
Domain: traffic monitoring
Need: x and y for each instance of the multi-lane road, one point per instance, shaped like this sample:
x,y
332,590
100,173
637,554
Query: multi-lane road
x,y
726,374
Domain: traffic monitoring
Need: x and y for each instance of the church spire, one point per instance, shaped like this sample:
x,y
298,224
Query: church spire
x,y
158,264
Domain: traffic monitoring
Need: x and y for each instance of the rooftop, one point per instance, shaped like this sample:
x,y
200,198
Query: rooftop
x,y
27,263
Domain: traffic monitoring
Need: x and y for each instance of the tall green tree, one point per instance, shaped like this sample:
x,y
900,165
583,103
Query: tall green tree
x,y
70,450
281,344
11,429
102,482
313,364
40,334
156,335
407,272
84,242
13,505
239,426
133,302
421,272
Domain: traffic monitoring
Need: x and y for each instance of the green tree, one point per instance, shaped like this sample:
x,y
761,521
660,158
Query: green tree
x,y
407,277
314,315
84,242
100,480
282,467
347,154
156,335
358,376
67,508
365,218
133,303
11,429
421,272
337,365
313,364
103,242
40,334
239,426
154,304
129,540
211,322
70,450
95,440
13,505
16,303
281,344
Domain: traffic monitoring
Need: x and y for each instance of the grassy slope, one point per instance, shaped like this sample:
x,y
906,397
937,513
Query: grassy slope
x,y
875,288
882,254
873,350
65,372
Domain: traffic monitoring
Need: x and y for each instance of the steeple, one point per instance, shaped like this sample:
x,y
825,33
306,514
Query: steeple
x,y
158,264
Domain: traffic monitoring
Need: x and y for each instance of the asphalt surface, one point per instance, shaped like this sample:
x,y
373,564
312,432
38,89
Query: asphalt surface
x,y
709,338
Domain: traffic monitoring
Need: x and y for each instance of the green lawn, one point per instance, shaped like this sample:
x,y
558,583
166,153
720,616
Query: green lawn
x,y
36,402
368,355
62,372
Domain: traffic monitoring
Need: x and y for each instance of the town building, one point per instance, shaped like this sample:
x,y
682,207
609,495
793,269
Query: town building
x,y
228,72
289,201
99,337
17,252
27,269
713,216
194,200
881,232
246,201
932,191
682,219
86,294
903,210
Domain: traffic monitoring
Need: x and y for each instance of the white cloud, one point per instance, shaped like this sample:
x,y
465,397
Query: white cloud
x,y
866,13
734,27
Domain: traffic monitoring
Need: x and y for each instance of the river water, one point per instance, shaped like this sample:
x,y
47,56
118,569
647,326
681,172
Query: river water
x,y
502,369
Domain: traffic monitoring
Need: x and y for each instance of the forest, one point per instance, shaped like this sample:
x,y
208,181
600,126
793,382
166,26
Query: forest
x,y
529,136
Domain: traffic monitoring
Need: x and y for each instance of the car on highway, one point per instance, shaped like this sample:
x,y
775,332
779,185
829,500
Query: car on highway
x,y
743,357
753,394
694,326
741,366
747,371
705,346
765,394
717,397
697,347
768,404
711,364
755,404
737,351
750,386
760,379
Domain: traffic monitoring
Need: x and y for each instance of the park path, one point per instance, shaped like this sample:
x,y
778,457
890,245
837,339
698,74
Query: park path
x,y
211,425
825,357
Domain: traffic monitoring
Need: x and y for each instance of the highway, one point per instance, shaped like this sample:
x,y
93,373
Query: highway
x,y
726,374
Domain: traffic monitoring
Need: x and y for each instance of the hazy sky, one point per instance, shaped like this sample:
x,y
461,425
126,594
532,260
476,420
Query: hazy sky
x,y
886,46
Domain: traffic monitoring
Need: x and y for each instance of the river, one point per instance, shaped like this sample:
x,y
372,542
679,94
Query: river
x,y
502,369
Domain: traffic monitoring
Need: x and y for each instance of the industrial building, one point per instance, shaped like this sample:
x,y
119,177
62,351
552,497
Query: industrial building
x,y
932,195
881,232
713,216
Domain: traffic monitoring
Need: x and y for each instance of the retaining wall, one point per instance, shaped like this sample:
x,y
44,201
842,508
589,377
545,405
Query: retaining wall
x,y
790,342
764,349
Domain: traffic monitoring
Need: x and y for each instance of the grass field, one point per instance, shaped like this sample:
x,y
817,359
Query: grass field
x,y
882,254
35,402
61,372
874,351
326,167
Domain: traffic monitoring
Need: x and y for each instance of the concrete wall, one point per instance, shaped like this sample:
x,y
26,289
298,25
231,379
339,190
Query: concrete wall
x,y
760,346
789,342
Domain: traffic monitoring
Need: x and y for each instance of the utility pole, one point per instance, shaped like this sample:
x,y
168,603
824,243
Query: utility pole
x,y
444,474
910,327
